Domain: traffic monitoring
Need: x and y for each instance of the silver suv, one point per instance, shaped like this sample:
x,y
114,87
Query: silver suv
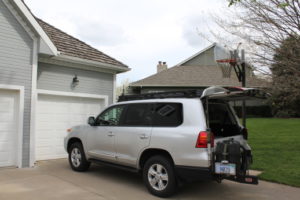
x,y
169,137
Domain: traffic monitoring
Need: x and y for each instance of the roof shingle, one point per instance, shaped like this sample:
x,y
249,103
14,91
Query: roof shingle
x,y
70,46
195,76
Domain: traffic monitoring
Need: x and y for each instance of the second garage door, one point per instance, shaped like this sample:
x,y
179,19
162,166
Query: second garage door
x,y
9,102
55,114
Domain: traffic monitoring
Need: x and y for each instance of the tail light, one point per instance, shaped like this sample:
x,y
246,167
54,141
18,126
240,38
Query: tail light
x,y
245,133
204,138
69,130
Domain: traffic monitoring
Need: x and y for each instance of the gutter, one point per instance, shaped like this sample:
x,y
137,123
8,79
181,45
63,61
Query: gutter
x,y
81,61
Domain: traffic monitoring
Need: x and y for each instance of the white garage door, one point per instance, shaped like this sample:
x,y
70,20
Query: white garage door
x,y
55,114
9,110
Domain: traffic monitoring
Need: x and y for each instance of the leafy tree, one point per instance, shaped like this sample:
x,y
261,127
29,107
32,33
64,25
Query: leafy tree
x,y
122,88
269,31
286,78
280,4
260,26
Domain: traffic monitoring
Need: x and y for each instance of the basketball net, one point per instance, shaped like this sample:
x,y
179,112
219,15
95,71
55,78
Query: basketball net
x,y
226,66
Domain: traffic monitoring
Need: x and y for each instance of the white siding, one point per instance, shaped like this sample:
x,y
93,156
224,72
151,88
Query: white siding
x,y
59,78
16,65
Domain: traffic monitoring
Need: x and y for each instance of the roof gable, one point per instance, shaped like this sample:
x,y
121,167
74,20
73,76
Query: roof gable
x,y
46,45
71,46
201,55
55,42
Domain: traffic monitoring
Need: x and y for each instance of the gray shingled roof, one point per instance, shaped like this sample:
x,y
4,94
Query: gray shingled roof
x,y
70,46
195,76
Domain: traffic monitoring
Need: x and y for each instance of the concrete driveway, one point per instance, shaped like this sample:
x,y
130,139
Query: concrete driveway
x,y
55,180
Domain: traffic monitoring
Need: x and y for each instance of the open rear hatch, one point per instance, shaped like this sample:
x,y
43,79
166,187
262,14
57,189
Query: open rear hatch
x,y
231,155
233,93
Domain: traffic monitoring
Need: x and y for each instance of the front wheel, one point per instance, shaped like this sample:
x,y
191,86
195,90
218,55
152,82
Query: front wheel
x,y
159,176
77,158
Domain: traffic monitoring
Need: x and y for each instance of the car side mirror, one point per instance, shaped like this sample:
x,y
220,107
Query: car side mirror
x,y
92,121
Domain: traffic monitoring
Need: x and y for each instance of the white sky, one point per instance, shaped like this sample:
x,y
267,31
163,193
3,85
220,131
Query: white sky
x,y
139,33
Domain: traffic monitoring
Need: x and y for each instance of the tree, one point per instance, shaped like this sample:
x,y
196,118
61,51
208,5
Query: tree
x,y
122,88
269,31
260,25
286,78
281,4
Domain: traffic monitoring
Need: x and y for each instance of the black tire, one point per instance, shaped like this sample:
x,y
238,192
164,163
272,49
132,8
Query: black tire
x,y
76,163
169,186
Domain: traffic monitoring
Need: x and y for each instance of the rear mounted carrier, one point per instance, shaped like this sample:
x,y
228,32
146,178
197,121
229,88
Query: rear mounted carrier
x,y
232,161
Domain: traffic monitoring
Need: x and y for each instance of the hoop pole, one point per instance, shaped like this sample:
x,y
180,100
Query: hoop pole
x,y
244,114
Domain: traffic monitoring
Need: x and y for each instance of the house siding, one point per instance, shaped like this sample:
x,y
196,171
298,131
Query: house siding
x,y
16,49
59,78
205,58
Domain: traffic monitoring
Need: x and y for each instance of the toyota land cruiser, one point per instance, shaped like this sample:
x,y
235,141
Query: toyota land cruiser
x,y
169,137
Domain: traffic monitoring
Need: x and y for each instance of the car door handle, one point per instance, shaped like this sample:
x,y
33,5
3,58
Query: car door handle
x,y
144,136
110,134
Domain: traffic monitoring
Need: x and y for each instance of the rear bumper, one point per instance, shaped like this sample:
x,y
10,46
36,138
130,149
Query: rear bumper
x,y
191,174
187,173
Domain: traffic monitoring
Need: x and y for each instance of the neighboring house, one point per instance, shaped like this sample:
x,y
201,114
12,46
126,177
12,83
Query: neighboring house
x,y
49,81
197,72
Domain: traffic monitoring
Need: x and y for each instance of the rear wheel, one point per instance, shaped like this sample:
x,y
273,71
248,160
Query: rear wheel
x,y
77,158
159,176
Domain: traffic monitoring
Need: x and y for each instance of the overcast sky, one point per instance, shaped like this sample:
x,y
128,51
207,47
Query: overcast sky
x,y
139,33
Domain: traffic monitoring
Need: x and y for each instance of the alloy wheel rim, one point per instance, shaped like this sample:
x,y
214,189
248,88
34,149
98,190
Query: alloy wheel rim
x,y
158,177
76,157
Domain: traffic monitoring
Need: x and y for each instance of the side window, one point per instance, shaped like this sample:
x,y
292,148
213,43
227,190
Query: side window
x,y
167,114
137,115
110,117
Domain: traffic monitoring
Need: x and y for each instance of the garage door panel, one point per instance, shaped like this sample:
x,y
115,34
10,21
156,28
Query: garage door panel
x,y
79,118
62,117
6,136
45,117
44,126
3,158
54,116
8,126
44,134
6,146
4,117
9,110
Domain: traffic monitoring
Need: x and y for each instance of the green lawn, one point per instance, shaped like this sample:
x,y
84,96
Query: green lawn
x,y
275,146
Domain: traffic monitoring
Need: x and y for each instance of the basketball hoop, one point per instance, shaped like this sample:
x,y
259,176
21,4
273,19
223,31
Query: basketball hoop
x,y
225,60
226,66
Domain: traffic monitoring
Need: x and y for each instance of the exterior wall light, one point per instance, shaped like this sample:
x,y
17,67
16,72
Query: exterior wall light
x,y
75,81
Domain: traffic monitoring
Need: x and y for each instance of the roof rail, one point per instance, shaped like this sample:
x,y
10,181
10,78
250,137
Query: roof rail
x,y
163,95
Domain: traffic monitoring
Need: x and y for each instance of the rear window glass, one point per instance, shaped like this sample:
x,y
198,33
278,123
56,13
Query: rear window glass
x,y
137,115
222,121
167,114
220,113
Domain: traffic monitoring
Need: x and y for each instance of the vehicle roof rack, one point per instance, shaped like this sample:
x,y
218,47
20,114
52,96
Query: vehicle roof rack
x,y
163,95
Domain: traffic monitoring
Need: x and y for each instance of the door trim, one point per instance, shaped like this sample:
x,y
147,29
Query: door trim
x,y
73,94
20,90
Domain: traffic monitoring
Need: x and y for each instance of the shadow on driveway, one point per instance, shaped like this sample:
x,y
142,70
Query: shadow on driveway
x,y
55,180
